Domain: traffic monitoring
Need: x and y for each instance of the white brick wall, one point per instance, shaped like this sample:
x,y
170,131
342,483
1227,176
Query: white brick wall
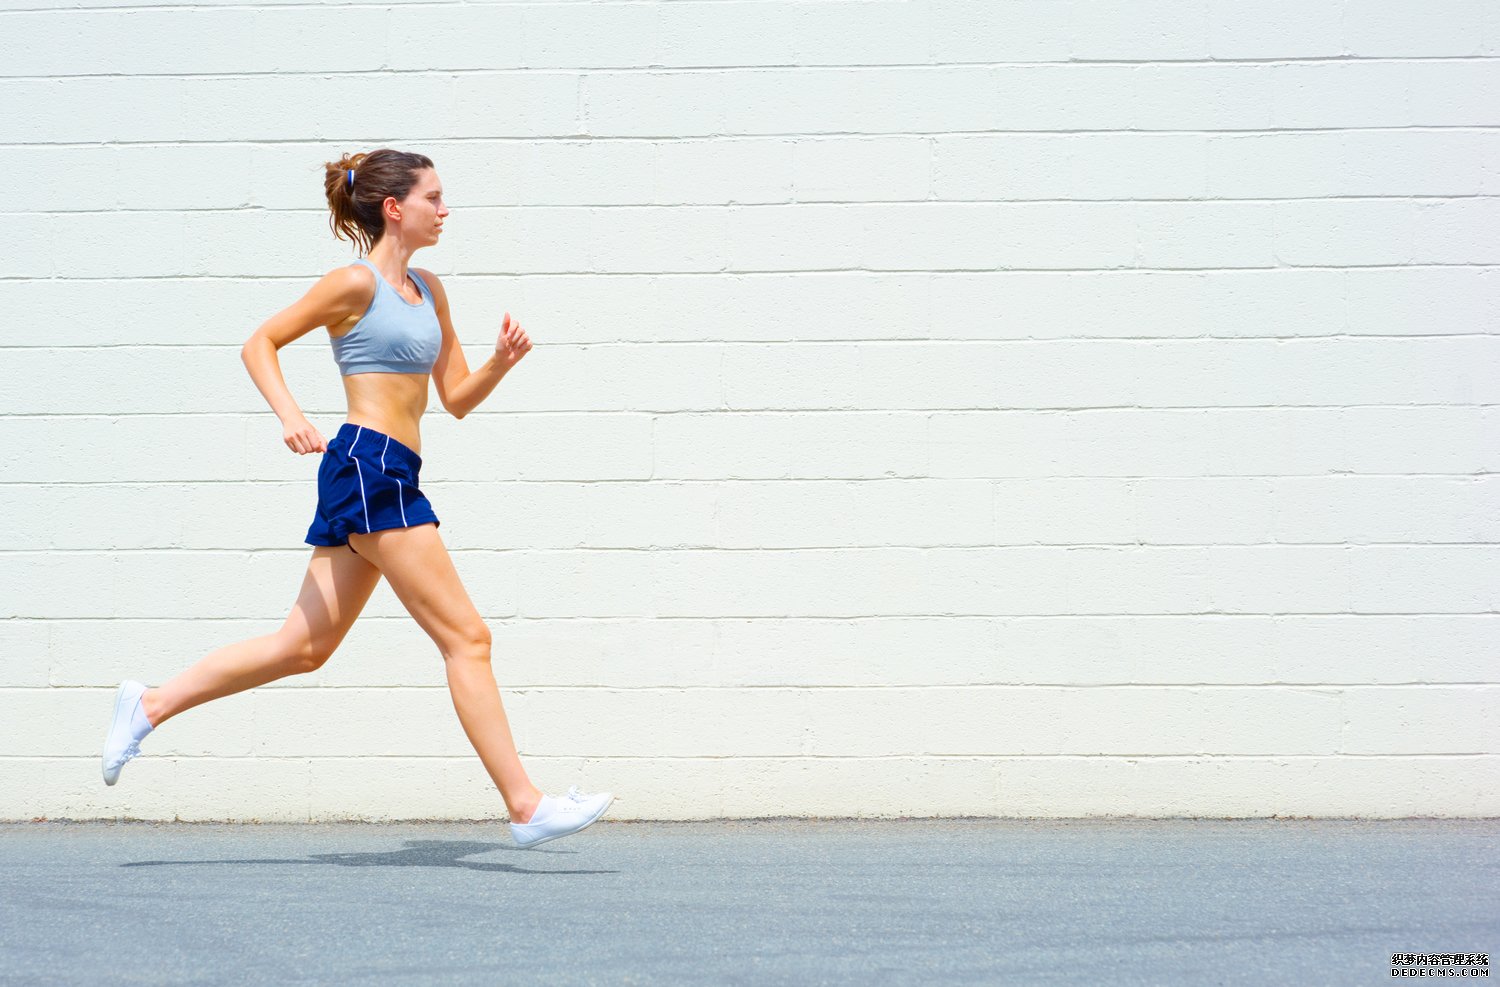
x,y
938,407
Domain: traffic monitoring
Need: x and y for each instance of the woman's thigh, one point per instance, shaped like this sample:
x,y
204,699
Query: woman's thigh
x,y
421,573
335,589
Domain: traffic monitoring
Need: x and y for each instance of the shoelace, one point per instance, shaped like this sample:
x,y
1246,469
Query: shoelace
x,y
577,794
132,750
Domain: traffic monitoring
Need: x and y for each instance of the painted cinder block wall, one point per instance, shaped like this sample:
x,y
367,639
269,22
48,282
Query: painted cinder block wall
x,y
937,408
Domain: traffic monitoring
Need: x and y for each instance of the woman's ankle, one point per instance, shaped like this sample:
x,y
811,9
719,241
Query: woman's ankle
x,y
151,707
523,809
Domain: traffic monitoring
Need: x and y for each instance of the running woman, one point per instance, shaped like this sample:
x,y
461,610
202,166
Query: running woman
x,y
391,333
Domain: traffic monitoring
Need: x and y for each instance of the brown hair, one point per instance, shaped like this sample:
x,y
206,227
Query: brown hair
x,y
356,209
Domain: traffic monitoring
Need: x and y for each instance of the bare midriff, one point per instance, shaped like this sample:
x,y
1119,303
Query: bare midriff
x,y
389,403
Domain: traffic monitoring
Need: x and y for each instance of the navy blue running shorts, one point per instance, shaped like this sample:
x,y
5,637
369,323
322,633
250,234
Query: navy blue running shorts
x,y
367,481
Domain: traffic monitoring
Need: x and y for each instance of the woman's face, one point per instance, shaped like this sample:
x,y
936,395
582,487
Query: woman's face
x,y
423,211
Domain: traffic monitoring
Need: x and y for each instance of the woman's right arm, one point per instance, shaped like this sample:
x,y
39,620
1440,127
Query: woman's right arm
x,y
332,300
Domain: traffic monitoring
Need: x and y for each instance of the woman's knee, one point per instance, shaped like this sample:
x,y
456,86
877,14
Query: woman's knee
x,y
316,655
307,653
468,643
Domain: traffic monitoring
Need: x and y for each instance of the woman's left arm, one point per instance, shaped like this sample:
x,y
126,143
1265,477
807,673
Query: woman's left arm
x,y
460,389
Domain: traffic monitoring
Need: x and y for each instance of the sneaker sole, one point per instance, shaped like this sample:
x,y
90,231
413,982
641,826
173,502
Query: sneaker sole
x,y
114,718
557,836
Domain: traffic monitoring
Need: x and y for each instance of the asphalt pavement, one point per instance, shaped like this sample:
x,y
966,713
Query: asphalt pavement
x,y
974,901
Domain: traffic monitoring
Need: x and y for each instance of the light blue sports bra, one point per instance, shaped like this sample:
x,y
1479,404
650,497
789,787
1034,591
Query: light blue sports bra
x,y
393,336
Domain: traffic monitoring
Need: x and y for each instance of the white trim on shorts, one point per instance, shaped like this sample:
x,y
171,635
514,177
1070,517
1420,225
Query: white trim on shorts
x,y
399,502
362,503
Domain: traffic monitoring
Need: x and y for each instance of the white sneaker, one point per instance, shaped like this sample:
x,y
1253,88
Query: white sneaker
x,y
120,744
555,817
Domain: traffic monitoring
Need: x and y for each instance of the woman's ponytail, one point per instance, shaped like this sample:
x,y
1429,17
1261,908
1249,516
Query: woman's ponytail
x,y
357,186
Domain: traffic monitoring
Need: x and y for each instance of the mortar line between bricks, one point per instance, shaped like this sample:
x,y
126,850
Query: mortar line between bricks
x,y
369,138
835,618
805,413
1099,272
808,204
783,549
1281,269
1145,342
1315,687
840,480
586,72
464,758
523,620
804,549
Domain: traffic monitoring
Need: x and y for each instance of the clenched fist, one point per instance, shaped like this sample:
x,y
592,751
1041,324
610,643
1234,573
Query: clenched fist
x,y
301,437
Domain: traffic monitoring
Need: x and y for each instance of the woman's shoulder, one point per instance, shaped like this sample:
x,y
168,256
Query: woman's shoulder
x,y
350,288
433,284
355,272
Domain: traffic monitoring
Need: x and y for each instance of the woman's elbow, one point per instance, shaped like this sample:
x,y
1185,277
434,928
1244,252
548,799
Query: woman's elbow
x,y
453,401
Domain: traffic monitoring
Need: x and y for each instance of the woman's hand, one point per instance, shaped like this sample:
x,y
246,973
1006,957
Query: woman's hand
x,y
512,344
301,437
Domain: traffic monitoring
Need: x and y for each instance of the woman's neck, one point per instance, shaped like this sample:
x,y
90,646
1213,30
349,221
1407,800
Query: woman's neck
x,y
391,257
